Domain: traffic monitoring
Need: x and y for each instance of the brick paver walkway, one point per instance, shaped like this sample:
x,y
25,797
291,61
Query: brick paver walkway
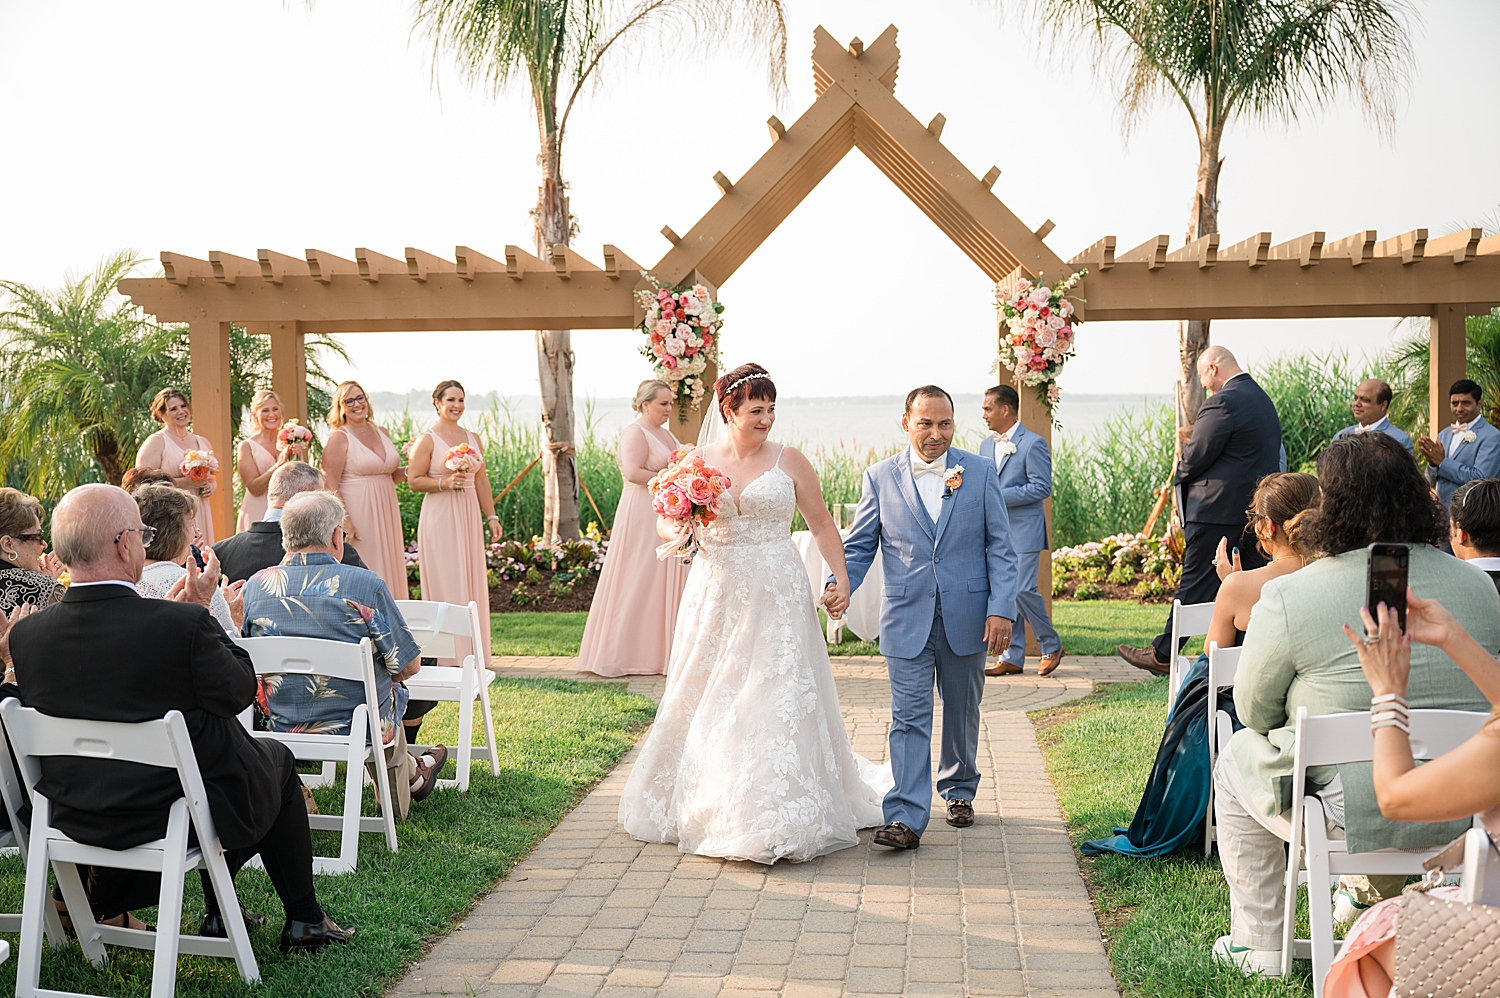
x,y
995,909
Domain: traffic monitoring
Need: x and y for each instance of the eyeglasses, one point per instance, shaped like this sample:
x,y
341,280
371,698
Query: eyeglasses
x,y
355,400
148,534
33,536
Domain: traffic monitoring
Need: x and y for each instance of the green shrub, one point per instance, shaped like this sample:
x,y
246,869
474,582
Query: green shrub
x,y
1095,574
1150,588
1059,583
1123,574
1087,590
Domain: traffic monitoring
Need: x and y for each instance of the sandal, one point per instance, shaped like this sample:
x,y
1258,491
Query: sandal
x,y
123,921
429,764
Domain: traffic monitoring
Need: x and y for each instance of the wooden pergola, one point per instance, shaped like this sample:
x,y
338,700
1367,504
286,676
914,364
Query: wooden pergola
x,y
1446,278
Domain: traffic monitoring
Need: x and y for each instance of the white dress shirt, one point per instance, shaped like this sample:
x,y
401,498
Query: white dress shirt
x,y
1486,564
1457,440
1382,421
1000,440
104,582
930,486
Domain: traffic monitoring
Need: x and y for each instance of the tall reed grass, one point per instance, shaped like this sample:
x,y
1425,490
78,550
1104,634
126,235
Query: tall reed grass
x,y
1312,394
1102,483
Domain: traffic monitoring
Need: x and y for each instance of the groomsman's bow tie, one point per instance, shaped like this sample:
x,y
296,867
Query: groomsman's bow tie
x,y
920,468
1000,438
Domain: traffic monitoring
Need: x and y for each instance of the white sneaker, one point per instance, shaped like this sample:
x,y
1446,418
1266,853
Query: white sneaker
x,y
1346,908
1266,962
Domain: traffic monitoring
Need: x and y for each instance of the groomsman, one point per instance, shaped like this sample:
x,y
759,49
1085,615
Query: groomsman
x,y
1234,444
1372,400
1024,464
1468,449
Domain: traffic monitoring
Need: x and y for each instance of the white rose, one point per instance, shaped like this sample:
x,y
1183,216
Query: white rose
x,y
674,346
684,330
1040,296
1055,322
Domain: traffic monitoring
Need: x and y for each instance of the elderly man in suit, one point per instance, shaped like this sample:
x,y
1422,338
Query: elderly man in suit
x,y
1372,400
1468,449
106,654
1235,442
259,546
1024,464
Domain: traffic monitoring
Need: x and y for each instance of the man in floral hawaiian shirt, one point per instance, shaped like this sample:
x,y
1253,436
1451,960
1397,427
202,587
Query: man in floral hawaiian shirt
x,y
312,595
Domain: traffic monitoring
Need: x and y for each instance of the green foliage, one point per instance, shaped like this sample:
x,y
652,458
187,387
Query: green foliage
x,y
1406,368
1312,393
1104,483
1087,591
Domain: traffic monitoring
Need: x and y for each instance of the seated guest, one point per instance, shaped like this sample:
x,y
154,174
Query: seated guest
x,y
259,545
312,595
1170,815
171,517
1474,525
136,477
1468,449
27,574
1457,784
1371,491
1372,400
105,654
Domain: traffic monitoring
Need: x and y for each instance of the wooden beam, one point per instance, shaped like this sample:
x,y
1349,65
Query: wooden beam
x,y
669,235
181,269
1358,248
566,261
1099,256
1409,246
420,263
617,264
1204,251
1152,252
935,126
471,263
990,176
723,183
1462,245
229,268
289,369
276,267
325,266
519,263
1489,245
1046,227
1034,417
373,266
1256,250
775,127
208,360
1447,363
1307,250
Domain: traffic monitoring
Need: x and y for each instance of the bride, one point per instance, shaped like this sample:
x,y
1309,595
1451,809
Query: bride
x,y
748,758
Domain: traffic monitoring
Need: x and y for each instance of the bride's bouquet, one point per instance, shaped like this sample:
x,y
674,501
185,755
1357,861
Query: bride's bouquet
x,y
687,492
198,465
463,459
293,433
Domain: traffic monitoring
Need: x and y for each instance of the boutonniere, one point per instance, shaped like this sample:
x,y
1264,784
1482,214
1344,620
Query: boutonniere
x,y
1007,448
1469,436
954,481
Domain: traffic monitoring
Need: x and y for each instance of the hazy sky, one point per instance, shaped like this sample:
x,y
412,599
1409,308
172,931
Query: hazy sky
x,y
238,124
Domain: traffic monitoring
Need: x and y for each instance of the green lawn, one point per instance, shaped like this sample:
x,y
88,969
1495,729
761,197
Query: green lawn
x,y
1160,916
1093,627
556,740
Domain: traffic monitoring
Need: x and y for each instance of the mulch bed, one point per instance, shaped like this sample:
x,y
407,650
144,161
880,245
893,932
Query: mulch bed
x,y
544,600
1113,590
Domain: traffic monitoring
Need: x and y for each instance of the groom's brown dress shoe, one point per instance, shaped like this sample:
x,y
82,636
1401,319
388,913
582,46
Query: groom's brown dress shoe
x,y
1002,669
897,836
960,812
1050,663
1144,658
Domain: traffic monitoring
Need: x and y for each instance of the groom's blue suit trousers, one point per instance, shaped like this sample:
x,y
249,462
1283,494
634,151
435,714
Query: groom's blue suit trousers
x,y
960,683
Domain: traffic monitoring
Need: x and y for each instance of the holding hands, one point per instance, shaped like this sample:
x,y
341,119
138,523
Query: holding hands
x,y
835,599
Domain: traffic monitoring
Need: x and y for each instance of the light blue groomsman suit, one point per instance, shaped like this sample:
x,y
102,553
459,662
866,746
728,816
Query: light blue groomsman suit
x,y
1468,461
1382,425
1025,480
943,576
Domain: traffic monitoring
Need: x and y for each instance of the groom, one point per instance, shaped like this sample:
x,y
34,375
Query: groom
x,y
938,519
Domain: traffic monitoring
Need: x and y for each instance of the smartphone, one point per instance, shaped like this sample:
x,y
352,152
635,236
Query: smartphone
x,y
1385,579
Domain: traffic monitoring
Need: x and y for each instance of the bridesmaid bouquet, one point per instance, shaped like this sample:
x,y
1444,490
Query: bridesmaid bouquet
x,y
687,492
293,433
198,465
463,459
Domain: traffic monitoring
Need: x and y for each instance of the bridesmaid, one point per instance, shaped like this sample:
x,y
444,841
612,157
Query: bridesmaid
x,y
163,450
629,629
450,542
362,468
260,454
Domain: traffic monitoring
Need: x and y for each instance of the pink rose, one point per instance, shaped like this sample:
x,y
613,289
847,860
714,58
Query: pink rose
x,y
671,502
699,491
719,484
1037,363
669,362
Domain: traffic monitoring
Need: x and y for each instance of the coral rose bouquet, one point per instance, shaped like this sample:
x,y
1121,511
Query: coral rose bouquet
x,y
1042,326
682,325
688,493
293,433
463,459
198,465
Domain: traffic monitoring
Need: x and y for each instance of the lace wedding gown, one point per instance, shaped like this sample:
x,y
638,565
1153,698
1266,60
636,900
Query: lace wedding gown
x,y
748,758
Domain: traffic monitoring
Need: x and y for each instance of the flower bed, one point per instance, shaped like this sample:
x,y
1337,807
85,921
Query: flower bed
x,y
533,575
1125,566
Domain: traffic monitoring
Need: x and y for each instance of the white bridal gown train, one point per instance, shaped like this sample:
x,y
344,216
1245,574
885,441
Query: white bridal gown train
x,y
748,758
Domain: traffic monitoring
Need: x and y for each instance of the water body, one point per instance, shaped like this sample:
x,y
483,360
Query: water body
x,y
854,423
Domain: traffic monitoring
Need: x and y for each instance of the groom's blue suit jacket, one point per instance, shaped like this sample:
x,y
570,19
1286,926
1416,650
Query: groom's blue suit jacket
x,y
966,555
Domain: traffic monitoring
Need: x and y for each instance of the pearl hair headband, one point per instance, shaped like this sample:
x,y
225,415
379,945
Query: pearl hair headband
x,y
748,377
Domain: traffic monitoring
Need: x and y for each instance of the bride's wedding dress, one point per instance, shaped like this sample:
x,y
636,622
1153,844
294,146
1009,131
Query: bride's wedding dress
x,y
748,758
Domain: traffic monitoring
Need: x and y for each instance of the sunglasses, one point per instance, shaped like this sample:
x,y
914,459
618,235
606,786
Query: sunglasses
x,y
148,534
24,538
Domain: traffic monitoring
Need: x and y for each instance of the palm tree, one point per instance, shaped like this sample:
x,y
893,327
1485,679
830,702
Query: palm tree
x,y
1406,367
1261,60
552,46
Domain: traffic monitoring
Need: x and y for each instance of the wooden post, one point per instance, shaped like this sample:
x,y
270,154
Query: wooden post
x,y
208,356
289,370
1449,341
1034,417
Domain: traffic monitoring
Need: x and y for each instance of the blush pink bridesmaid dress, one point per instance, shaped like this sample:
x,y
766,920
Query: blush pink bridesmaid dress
x,y
630,624
450,546
253,507
171,463
370,497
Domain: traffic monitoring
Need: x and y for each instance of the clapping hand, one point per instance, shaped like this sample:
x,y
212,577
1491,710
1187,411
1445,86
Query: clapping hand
x,y
195,586
234,595
1224,564
6,623
52,565
1431,449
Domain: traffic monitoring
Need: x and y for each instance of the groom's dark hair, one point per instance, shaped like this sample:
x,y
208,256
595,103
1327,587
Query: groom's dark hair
x,y
1006,395
927,391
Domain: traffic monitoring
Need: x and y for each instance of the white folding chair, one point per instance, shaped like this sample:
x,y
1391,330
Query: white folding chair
x,y
1330,740
12,797
1223,663
290,656
164,744
1188,620
435,625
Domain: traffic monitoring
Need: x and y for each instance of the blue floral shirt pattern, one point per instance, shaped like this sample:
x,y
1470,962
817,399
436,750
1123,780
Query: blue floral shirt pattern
x,y
314,596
